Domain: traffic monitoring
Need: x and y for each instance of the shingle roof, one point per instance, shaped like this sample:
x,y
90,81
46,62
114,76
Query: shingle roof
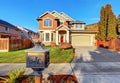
x,y
83,31
29,30
6,23
77,21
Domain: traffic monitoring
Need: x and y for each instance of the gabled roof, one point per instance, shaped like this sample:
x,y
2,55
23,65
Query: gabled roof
x,y
62,26
6,23
25,29
44,14
66,16
58,14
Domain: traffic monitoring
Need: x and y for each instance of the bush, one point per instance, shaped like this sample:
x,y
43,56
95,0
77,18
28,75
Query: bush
x,y
14,75
65,46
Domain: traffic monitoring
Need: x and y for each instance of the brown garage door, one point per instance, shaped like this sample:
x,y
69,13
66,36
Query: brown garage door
x,y
81,40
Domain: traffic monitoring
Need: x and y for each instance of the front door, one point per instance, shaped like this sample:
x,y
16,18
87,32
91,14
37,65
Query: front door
x,y
61,39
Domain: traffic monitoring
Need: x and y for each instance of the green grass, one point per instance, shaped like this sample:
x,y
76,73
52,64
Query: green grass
x,y
56,56
61,56
18,56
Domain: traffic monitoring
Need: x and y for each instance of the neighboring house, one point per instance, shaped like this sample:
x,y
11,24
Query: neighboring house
x,y
26,33
8,30
59,27
92,27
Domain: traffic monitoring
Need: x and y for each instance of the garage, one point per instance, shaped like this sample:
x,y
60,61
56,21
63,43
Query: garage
x,y
81,40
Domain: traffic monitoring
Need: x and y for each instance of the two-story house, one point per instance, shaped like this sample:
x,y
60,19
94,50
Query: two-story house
x,y
8,30
59,27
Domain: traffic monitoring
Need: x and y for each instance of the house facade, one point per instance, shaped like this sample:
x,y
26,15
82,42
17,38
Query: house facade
x,y
59,28
27,33
8,30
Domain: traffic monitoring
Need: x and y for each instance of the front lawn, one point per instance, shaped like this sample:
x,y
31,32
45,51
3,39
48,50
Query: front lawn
x,y
61,56
19,56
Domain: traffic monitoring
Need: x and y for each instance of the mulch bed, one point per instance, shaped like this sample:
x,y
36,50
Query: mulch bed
x,y
22,79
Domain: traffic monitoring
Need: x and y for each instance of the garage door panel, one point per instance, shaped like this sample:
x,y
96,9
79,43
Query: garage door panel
x,y
81,40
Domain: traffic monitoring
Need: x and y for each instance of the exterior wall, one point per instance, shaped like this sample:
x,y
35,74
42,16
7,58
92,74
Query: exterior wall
x,y
74,27
41,22
13,31
32,35
65,16
66,23
26,33
43,37
91,35
59,16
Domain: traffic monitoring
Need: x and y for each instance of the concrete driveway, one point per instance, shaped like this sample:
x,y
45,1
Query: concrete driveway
x,y
96,65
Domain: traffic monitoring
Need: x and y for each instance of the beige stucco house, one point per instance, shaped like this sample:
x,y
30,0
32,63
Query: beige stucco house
x,y
59,27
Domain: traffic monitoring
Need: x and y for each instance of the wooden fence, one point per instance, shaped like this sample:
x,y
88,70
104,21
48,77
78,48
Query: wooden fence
x,y
7,44
111,44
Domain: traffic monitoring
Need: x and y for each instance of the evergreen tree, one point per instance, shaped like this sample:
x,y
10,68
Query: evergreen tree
x,y
111,32
107,24
101,26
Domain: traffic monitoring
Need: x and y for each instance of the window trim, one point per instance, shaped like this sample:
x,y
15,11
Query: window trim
x,y
77,25
44,22
50,36
46,37
7,29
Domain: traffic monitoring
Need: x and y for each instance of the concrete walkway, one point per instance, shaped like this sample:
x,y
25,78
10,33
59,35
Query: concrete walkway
x,y
90,65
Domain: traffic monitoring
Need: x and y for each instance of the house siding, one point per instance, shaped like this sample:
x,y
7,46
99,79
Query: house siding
x,y
54,22
13,31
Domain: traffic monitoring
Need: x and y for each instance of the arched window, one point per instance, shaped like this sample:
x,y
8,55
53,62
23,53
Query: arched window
x,y
47,22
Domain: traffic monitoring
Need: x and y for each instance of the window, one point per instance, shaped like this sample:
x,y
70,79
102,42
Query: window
x,y
61,23
78,26
51,36
6,29
47,22
47,37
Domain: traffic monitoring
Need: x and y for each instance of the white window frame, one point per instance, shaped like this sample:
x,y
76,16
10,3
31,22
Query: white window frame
x,y
80,25
47,25
50,35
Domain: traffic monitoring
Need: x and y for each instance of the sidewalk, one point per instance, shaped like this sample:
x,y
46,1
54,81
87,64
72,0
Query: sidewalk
x,y
55,69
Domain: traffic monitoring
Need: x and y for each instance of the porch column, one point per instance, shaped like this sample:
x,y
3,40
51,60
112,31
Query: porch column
x,y
67,37
56,37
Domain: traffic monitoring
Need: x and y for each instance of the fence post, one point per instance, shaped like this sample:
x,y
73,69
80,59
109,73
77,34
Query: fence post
x,y
8,44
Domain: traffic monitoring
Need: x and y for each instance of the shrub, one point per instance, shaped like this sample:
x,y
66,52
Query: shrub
x,y
14,75
65,46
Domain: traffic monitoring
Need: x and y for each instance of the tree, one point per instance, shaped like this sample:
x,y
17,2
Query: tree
x,y
101,26
107,24
110,23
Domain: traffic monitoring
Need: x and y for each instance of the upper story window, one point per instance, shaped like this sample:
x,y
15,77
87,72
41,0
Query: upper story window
x,y
47,22
7,29
78,25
